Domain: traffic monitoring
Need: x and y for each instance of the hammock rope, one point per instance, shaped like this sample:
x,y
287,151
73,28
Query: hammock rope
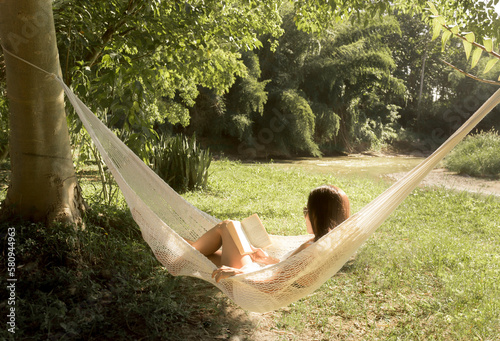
x,y
165,219
159,211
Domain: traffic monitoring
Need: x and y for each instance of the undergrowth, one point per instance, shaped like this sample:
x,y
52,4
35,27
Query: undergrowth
x,y
181,162
476,155
97,283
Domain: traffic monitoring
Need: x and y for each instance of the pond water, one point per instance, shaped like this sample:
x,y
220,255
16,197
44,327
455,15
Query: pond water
x,y
354,165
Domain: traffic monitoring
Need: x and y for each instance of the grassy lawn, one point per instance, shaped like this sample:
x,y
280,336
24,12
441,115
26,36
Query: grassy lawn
x,y
431,272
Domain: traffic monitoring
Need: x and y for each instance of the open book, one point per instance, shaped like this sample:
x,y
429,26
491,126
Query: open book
x,y
249,231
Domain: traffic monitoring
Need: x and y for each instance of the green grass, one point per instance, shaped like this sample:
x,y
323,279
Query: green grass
x,y
431,272
477,155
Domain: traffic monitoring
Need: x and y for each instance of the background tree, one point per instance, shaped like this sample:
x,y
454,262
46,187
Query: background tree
x,y
146,65
437,95
233,113
376,56
353,76
322,90
419,67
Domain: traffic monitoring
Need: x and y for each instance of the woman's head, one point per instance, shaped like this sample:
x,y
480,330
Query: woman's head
x,y
327,207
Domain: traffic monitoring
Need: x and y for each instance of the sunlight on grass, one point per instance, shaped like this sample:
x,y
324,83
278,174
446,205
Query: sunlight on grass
x,y
237,191
430,271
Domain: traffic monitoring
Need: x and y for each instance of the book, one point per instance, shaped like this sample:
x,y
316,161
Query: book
x,y
247,232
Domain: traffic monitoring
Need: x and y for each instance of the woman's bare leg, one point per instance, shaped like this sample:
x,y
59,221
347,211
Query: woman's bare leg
x,y
210,243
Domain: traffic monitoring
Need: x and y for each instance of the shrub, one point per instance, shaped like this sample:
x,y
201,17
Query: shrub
x,y
291,124
181,162
378,131
477,155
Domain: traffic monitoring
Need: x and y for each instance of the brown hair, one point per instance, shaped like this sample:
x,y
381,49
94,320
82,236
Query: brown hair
x,y
328,206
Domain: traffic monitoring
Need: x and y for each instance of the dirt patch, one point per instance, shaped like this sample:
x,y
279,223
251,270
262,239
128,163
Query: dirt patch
x,y
450,180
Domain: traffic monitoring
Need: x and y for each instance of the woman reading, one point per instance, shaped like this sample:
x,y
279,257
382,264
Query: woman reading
x,y
327,207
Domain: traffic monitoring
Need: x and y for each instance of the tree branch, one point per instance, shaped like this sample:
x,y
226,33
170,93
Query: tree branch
x,y
470,75
493,53
132,9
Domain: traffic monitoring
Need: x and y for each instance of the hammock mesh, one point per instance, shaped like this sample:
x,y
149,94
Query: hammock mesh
x,y
164,218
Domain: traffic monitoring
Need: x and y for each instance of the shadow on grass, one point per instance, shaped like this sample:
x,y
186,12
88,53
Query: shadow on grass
x,y
103,283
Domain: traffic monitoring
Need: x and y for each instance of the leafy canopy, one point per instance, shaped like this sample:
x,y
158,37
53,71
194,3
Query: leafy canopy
x,y
142,55
473,50
151,56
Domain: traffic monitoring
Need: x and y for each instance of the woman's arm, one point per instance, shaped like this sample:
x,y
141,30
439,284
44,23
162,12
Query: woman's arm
x,y
225,272
258,256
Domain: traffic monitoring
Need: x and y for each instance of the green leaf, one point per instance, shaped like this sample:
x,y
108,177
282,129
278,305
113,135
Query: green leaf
x,y
468,48
488,44
454,29
436,28
444,39
470,36
476,56
490,64
432,8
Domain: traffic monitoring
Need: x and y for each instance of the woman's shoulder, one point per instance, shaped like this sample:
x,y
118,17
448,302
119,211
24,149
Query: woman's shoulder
x,y
309,242
306,244
301,247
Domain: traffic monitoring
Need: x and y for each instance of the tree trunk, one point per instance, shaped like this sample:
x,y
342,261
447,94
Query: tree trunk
x,y
43,185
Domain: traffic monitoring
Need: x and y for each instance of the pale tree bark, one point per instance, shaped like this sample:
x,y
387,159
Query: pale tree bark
x,y
43,185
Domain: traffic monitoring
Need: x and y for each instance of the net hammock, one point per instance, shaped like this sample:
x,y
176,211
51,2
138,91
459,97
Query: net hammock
x,y
165,219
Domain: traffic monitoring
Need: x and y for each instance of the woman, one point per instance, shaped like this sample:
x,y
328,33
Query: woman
x,y
327,207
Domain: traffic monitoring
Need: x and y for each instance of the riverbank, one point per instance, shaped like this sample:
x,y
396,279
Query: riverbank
x,y
442,177
391,167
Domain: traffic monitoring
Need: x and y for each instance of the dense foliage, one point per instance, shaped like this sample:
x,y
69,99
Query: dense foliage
x,y
353,87
274,77
320,90
140,62
477,155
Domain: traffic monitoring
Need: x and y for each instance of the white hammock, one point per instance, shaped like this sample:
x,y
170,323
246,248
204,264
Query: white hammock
x,y
165,218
